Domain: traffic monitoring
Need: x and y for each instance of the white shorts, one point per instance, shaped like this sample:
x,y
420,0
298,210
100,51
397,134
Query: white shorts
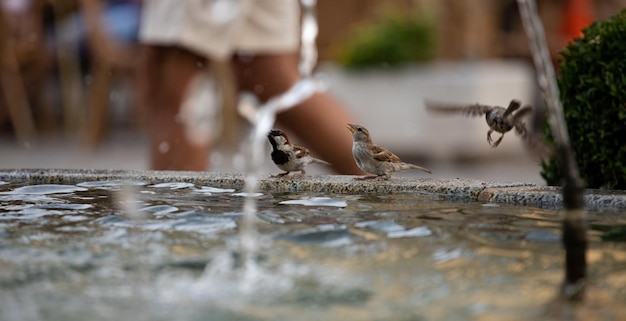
x,y
218,28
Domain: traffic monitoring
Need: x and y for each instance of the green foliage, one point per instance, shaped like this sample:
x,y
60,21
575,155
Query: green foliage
x,y
593,90
394,40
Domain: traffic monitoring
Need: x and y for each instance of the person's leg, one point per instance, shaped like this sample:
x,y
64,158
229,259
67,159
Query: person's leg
x,y
164,74
320,121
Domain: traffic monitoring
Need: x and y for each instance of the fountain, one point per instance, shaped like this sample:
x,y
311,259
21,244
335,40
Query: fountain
x,y
262,119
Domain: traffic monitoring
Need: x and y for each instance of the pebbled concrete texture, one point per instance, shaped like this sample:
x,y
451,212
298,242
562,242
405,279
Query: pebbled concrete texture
x,y
458,189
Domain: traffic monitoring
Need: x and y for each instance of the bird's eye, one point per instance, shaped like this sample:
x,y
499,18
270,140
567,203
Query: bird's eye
x,y
359,129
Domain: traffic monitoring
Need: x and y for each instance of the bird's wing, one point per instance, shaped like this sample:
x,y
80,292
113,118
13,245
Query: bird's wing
x,y
521,113
383,155
464,109
300,151
520,128
535,142
513,106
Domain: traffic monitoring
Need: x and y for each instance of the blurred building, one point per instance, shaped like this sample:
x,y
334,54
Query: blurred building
x,y
477,29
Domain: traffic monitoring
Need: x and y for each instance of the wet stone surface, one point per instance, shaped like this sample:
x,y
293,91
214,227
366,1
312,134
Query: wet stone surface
x,y
116,249
512,193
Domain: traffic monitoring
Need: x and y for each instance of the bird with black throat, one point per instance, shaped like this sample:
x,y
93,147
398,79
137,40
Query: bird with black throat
x,y
289,157
375,159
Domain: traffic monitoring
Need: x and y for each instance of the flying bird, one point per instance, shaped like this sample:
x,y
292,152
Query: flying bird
x,y
499,119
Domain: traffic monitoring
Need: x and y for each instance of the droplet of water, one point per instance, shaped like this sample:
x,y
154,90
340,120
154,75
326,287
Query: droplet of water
x,y
209,189
246,107
447,255
207,225
64,206
164,147
173,185
419,231
216,159
490,205
239,162
248,194
327,236
45,189
75,218
382,226
200,112
110,184
159,210
317,201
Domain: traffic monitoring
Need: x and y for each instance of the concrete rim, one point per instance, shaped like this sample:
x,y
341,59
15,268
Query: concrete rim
x,y
513,193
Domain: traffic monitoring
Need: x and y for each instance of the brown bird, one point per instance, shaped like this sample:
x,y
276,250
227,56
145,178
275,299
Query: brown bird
x,y
289,157
498,118
373,158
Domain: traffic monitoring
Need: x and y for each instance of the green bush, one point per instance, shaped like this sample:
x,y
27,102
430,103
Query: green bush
x,y
393,40
593,90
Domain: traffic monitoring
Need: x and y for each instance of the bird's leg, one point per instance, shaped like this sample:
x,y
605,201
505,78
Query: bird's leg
x,y
302,172
489,140
280,175
384,177
497,142
365,177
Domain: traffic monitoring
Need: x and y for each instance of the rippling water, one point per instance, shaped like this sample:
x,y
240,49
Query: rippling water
x,y
120,250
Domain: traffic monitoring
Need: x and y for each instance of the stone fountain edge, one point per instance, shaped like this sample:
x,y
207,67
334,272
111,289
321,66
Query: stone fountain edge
x,y
513,193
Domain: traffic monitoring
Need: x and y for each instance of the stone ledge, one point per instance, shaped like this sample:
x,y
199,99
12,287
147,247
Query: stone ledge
x,y
458,189
551,197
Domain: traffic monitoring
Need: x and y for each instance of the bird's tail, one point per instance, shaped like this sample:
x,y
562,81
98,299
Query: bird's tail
x,y
411,166
319,161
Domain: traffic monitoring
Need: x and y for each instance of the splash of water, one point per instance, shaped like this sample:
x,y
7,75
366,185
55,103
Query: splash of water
x,y
262,119
574,226
308,54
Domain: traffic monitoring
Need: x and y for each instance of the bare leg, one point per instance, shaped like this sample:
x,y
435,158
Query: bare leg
x,y
164,74
320,120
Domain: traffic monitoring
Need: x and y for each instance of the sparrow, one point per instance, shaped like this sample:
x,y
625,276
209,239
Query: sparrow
x,y
498,118
373,158
289,157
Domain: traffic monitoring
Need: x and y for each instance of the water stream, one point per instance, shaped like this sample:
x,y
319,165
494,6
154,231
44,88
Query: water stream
x,y
262,119
574,232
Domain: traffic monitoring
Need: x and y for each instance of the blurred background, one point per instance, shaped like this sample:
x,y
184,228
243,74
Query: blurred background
x,y
67,88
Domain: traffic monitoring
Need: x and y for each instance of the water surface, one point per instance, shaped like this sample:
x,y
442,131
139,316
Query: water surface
x,y
120,250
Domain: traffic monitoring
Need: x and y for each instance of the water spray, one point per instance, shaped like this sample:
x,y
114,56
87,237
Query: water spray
x,y
262,119
574,222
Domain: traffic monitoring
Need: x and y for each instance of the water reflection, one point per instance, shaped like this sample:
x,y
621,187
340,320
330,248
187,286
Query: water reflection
x,y
73,252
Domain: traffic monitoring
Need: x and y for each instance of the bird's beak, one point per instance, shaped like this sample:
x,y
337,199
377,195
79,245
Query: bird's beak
x,y
351,128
